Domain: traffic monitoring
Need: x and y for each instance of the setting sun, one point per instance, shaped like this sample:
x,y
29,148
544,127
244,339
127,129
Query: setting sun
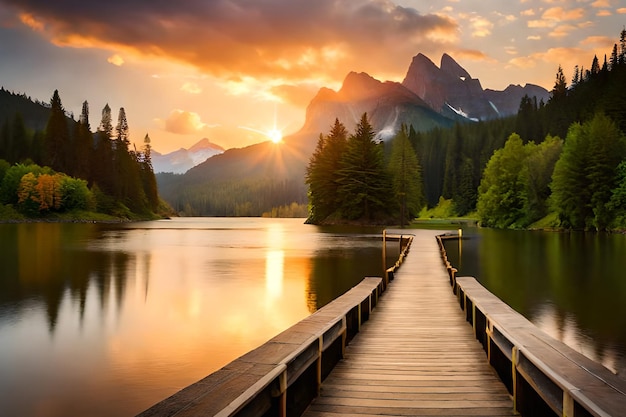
x,y
275,135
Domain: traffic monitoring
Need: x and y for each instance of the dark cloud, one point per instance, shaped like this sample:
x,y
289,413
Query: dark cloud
x,y
290,39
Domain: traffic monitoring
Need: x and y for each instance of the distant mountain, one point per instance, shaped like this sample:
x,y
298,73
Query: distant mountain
x,y
429,97
387,104
180,161
451,91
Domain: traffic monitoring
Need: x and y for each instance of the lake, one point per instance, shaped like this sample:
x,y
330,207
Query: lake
x,y
108,319
570,284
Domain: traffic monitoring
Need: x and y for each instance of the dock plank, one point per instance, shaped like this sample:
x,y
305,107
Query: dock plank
x,y
416,355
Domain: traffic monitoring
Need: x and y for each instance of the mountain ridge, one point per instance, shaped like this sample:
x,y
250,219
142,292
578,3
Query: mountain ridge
x,y
181,160
429,97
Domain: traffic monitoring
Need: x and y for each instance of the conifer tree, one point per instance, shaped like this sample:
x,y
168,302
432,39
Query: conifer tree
x,y
576,76
83,145
585,174
595,65
364,183
127,175
102,156
559,90
614,58
322,175
57,136
406,176
622,46
147,175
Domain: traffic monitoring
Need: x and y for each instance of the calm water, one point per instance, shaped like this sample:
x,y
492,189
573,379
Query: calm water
x,y
105,320
572,285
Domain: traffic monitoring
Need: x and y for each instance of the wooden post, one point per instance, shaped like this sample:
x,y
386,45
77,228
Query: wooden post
x,y
514,361
384,250
282,400
320,348
460,245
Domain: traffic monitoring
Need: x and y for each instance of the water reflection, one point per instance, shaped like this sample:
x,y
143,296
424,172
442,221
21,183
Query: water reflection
x,y
569,284
108,319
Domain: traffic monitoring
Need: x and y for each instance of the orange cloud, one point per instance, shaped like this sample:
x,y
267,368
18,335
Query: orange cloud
x,y
621,10
481,27
116,60
523,62
182,122
601,4
599,42
290,40
558,14
562,31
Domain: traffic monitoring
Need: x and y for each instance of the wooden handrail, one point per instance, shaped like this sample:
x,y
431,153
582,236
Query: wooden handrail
x,y
544,375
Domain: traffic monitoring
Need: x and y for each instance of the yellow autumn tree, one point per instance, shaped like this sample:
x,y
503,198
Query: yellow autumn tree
x,y
26,190
49,191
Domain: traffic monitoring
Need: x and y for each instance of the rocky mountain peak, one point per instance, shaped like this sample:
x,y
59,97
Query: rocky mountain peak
x,y
451,67
451,91
205,143
357,86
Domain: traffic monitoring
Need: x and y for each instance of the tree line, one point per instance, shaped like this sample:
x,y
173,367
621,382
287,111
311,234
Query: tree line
x,y
67,166
581,179
251,197
564,158
351,180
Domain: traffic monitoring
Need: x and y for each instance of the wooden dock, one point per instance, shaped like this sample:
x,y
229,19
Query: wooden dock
x,y
416,355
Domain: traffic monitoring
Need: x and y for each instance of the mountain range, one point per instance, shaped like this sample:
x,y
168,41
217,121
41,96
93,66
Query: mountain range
x,y
428,97
181,160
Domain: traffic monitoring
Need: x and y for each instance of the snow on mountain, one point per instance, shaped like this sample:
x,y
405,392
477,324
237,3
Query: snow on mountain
x,y
182,160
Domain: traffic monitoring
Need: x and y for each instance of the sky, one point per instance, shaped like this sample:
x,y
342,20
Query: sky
x,y
233,70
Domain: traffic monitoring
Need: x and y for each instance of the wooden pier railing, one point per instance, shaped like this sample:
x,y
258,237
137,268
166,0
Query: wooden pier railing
x,y
545,376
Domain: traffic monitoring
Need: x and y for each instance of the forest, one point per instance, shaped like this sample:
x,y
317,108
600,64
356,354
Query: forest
x,y
554,164
562,161
351,180
65,167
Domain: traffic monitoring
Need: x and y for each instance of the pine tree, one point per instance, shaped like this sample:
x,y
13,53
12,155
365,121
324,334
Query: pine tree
x,y
559,90
127,175
84,145
622,46
106,123
364,184
147,175
322,175
406,176
585,174
57,136
558,111
576,76
595,65
102,155
614,58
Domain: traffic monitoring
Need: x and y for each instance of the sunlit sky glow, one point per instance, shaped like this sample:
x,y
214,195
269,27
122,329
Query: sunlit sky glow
x,y
203,68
